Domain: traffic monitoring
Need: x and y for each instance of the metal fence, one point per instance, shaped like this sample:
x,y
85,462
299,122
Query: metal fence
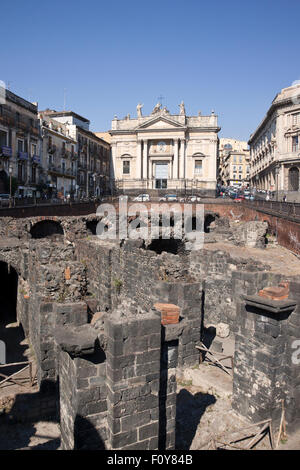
x,y
291,209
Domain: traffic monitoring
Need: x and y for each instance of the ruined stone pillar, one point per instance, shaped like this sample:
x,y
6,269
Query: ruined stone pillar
x,y
263,367
132,379
83,404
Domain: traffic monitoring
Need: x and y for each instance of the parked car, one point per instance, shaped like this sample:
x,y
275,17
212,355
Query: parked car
x,y
4,199
171,197
194,198
142,198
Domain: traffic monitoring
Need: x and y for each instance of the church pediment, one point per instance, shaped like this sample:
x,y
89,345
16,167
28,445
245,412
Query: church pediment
x,y
160,122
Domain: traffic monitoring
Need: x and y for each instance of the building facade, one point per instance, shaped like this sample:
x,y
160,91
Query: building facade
x,y
274,146
20,144
237,169
59,158
166,152
227,145
92,154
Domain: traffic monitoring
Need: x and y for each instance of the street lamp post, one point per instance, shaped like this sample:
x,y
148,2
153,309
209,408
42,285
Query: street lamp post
x,y
256,182
10,170
94,178
277,168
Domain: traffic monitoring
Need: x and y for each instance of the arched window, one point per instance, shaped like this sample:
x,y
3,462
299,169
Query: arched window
x,y
294,179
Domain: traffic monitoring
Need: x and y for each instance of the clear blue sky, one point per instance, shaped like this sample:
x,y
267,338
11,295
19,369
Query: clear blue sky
x,y
230,56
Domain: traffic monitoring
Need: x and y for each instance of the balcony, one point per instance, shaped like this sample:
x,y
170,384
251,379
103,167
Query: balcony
x,y
70,172
65,153
34,130
51,149
58,170
6,151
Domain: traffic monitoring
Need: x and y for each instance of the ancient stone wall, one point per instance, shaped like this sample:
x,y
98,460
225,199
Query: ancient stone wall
x,y
225,278
118,389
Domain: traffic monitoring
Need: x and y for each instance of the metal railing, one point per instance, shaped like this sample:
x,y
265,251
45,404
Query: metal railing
x,y
291,209
12,377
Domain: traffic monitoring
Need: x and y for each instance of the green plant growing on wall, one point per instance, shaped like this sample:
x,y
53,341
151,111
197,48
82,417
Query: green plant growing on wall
x,y
118,284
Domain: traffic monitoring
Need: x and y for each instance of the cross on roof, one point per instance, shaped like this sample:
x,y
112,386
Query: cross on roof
x,y
160,99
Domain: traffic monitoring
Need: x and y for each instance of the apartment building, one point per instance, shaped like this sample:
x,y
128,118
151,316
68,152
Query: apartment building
x,y
20,144
59,157
93,154
225,171
236,168
274,145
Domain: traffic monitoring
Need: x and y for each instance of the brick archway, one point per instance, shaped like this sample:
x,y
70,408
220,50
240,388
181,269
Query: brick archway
x,y
47,228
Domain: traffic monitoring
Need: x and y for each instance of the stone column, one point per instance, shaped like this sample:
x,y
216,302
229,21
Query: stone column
x,y
175,164
113,158
145,156
113,167
150,169
132,378
182,159
139,160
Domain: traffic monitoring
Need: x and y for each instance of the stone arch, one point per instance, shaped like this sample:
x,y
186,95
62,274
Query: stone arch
x,y
8,284
171,245
293,177
47,228
91,226
209,218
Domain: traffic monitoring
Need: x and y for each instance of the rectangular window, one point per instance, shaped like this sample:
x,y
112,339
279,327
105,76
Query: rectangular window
x,y
20,146
33,149
33,174
295,143
295,118
198,167
241,159
3,139
126,167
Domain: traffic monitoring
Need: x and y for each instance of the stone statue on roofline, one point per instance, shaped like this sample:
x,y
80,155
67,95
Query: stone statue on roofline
x,y
156,108
182,108
139,110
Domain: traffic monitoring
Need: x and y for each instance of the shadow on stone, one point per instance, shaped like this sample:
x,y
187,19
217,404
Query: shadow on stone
x,y
86,436
21,412
189,410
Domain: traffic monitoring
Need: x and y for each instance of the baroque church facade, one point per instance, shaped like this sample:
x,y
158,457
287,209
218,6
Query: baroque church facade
x,y
171,152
